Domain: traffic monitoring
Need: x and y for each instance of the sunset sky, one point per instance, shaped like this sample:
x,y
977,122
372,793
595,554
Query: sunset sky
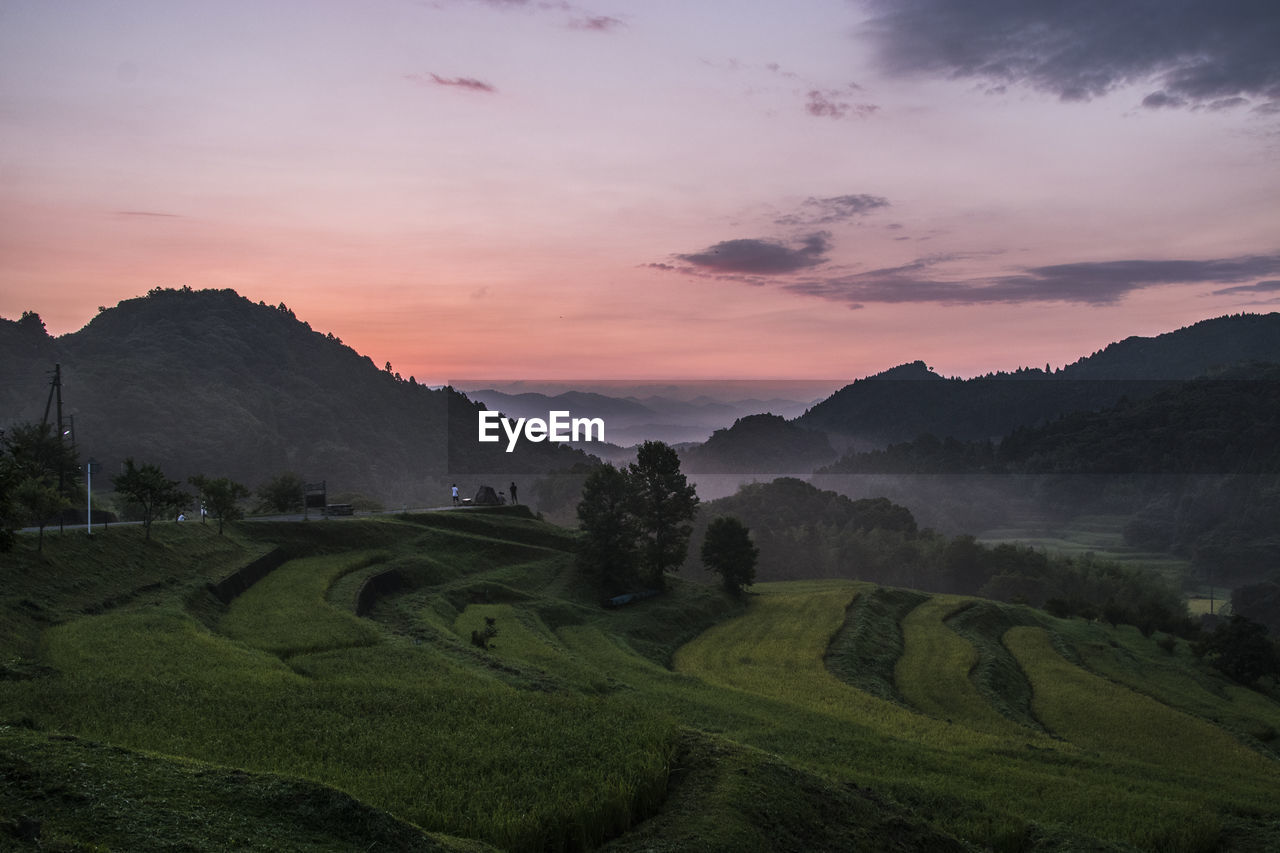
x,y
537,190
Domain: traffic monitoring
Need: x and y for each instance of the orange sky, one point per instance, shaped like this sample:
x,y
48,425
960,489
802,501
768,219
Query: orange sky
x,y
528,191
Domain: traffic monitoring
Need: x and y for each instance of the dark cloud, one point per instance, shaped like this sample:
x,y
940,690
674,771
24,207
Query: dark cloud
x,y
1189,52
1271,286
824,211
761,257
1090,283
1093,283
1156,100
597,23
467,83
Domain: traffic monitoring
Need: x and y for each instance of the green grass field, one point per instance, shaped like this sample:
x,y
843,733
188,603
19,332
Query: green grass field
x,y
1101,535
139,713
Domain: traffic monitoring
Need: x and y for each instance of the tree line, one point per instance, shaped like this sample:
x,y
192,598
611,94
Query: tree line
x,y
42,483
636,522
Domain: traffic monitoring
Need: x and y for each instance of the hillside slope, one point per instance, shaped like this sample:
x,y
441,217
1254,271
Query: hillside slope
x,y
208,382
684,721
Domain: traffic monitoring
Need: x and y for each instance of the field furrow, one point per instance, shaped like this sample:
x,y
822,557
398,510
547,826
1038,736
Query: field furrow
x,y
933,673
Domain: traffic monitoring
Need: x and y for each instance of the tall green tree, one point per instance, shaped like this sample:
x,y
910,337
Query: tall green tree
x,y
664,505
150,489
36,450
9,521
221,496
282,493
1239,648
728,551
40,502
607,547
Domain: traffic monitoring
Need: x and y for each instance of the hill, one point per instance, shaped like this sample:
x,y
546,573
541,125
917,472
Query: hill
x,y
1194,469
901,404
1227,423
759,443
208,382
140,711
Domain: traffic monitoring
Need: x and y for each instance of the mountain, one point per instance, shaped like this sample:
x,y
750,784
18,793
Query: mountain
x,y
1228,423
764,443
209,382
902,403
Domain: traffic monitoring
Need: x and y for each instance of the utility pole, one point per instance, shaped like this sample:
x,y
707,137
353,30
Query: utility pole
x,y
55,392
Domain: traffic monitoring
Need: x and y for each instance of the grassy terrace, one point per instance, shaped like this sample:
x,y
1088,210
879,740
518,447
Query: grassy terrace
x,y
137,712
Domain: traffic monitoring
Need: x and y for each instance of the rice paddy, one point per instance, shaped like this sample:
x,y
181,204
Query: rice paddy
x,y
819,715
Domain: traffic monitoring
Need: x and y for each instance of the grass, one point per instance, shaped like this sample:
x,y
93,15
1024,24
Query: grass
x,y
685,721
1124,656
62,790
1100,535
286,613
865,649
934,672
1206,765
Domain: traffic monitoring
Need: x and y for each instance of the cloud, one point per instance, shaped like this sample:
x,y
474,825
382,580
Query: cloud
x,y
827,103
1092,283
1271,286
466,83
1089,283
1189,52
761,257
596,23
824,211
148,213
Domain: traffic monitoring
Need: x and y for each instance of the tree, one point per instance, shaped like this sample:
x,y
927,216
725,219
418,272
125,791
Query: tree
x,y
664,505
729,552
36,450
40,501
282,493
221,497
9,521
608,545
148,487
1240,649
34,461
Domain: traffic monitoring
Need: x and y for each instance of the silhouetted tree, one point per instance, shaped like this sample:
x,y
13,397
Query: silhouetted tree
x,y
150,489
608,545
35,450
664,505
40,502
8,508
282,493
729,552
221,497
1239,648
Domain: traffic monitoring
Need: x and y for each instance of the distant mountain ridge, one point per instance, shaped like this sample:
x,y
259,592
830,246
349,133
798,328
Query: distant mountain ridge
x,y
210,382
907,401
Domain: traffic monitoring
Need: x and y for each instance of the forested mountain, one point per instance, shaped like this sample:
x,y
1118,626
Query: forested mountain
x,y
910,400
759,443
209,382
1228,423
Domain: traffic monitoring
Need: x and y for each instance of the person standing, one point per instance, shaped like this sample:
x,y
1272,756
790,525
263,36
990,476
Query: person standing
x,y
513,493
454,490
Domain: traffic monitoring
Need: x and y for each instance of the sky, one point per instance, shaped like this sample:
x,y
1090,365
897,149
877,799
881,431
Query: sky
x,y
529,190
